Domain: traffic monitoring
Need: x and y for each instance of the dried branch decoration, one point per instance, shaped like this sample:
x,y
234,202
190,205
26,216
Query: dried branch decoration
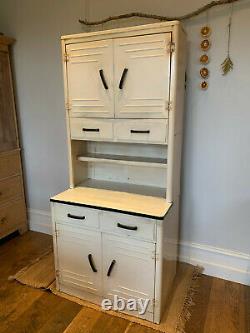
x,y
227,64
159,17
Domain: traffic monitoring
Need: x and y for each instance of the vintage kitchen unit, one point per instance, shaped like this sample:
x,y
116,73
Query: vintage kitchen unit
x,y
116,228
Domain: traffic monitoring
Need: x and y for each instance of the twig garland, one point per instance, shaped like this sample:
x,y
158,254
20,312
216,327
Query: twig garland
x,y
227,64
159,17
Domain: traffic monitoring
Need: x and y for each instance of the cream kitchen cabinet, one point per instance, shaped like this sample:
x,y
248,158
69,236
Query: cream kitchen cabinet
x,y
121,78
116,227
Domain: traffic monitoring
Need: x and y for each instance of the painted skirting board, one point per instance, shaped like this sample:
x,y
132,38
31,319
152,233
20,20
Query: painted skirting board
x,y
218,262
40,220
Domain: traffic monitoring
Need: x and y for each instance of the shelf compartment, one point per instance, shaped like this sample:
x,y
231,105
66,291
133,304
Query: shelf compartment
x,y
124,187
125,160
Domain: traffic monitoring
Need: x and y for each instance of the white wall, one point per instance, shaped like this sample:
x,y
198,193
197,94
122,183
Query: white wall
x,y
216,182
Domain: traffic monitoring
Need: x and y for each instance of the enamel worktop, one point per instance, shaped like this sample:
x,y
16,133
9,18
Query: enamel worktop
x,y
117,201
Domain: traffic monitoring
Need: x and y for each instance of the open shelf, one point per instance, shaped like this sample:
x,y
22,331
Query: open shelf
x,y
125,187
126,160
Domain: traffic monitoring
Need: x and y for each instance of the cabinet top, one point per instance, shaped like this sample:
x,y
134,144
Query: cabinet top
x,y
122,202
6,40
124,32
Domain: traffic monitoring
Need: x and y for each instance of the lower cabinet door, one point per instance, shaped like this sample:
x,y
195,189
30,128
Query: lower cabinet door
x,y
78,260
129,272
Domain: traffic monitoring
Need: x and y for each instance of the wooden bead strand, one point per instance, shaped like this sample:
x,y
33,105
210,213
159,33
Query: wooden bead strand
x,y
204,58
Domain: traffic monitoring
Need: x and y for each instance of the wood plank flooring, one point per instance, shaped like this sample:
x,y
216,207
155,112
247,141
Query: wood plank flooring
x,y
220,306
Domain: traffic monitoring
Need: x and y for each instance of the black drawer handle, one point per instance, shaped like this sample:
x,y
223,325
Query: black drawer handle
x,y
91,129
91,262
141,132
111,267
103,79
127,227
76,217
124,74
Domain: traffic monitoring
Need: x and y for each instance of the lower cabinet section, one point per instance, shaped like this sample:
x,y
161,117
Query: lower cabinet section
x,y
98,261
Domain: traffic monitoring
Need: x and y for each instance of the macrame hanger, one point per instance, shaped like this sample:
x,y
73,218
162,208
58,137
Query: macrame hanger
x,y
229,29
227,65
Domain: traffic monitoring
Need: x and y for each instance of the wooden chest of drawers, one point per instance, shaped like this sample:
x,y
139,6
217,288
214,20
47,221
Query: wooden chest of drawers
x,y
12,202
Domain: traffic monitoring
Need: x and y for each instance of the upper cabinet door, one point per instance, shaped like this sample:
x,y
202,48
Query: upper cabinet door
x,y
90,79
142,76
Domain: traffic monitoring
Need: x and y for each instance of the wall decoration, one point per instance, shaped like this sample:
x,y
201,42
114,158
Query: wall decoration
x,y
204,85
205,45
205,31
227,64
204,59
159,17
204,72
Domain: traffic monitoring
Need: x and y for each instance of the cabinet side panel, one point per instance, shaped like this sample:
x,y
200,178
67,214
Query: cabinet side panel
x,y
65,81
177,92
166,260
53,221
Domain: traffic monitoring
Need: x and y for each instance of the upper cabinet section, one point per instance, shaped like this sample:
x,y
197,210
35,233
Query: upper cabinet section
x,y
125,77
8,126
90,79
141,76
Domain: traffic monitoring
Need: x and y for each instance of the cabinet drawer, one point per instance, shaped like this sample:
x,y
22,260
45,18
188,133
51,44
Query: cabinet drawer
x,y
128,225
76,216
10,164
144,130
10,187
12,216
91,129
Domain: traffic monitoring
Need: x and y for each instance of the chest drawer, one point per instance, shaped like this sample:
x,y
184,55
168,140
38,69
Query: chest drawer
x,y
143,130
12,215
76,216
91,129
9,188
128,225
10,164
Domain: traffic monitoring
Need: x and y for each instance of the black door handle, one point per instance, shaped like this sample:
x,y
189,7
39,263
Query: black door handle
x,y
91,129
92,265
142,132
124,74
76,217
103,79
127,227
111,267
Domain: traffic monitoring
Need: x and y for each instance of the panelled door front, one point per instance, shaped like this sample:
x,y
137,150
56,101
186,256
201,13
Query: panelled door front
x,y
79,259
142,76
128,269
90,79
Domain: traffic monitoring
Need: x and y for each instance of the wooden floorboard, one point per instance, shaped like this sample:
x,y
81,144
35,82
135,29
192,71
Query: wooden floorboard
x,y
220,306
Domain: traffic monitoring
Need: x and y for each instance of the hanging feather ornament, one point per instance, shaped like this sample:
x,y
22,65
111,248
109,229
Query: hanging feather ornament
x,y
227,65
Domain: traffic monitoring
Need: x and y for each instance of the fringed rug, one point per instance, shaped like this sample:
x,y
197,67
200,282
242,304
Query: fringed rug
x,y
40,274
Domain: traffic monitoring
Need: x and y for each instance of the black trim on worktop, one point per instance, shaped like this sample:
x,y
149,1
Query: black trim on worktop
x,y
112,209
